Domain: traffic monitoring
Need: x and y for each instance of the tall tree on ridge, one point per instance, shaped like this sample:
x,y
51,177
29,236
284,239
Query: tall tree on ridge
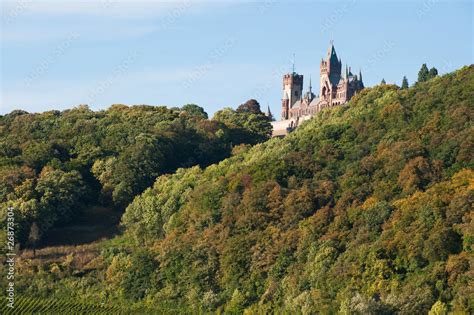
x,y
423,74
432,73
251,106
404,83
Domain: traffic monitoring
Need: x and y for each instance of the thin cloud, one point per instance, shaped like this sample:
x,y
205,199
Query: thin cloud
x,y
89,32
128,9
30,21
114,8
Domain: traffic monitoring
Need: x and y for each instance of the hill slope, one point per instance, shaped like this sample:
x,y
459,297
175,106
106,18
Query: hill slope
x,y
366,208
58,168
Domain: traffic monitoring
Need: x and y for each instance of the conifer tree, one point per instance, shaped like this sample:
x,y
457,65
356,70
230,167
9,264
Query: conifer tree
x,y
383,82
423,74
404,83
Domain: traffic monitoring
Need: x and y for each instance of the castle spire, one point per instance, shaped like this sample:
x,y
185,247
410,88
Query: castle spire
x,y
310,87
331,47
269,112
332,55
361,84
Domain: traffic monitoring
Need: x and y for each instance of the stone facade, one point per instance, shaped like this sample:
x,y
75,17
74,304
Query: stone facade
x,y
334,89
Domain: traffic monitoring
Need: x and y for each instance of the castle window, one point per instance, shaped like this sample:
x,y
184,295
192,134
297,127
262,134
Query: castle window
x,y
296,93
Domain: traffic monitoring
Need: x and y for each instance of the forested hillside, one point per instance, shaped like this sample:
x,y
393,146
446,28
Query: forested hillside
x,y
365,209
56,166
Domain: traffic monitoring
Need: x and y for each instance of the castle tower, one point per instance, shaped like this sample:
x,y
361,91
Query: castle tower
x,y
293,86
330,75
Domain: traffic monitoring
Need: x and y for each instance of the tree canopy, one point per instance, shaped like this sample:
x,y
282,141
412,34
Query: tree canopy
x,y
248,123
251,107
54,164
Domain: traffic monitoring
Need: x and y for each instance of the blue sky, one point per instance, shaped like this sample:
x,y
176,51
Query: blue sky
x,y
59,54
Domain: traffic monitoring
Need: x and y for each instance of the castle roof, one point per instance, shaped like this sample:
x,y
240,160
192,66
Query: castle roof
x,y
332,56
314,102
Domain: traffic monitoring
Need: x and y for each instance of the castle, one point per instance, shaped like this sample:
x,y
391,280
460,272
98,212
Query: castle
x,y
334,90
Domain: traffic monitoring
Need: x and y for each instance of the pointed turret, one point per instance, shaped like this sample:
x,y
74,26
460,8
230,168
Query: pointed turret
x,y
269,113
350,72
309,96
361,83
332,66
332,55
331,48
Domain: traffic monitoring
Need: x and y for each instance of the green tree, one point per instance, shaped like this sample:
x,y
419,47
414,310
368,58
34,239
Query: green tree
x,y
383,82
245,127
423,74
404,83
194,110
60,196
433,73
251,106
